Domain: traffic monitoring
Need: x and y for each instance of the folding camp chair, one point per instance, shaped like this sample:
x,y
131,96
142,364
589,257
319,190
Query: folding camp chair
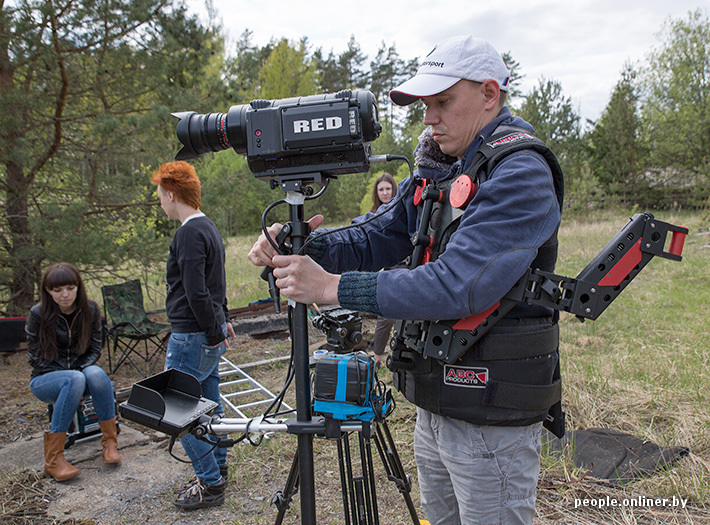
x,y
132,336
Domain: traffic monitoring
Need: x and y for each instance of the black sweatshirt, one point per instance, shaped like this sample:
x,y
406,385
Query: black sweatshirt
x,y
196,300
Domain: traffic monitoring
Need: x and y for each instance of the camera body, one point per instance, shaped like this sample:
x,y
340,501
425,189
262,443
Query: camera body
x,y
327,134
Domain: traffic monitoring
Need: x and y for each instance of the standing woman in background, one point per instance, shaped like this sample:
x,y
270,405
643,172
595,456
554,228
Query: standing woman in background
x,y
64,340
384,190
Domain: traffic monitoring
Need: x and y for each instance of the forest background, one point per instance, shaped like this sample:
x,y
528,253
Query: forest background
x,y
86,95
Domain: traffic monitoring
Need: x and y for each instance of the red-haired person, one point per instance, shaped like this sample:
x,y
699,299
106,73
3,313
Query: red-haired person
x,y
64,340
196,305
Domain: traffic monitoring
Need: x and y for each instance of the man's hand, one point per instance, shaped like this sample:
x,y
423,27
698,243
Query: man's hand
x,y
303,280
262,253
298,277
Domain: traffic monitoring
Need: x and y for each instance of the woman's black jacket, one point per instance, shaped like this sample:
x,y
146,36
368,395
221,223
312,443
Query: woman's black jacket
x,y
69,357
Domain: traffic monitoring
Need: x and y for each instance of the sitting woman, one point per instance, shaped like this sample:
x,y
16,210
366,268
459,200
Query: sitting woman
x,y
64,340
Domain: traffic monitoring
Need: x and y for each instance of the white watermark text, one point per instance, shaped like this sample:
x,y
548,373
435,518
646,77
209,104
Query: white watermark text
x,y
639,501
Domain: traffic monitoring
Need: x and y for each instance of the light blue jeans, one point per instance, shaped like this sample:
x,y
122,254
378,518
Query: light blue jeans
x,y
470,474
191,353
65,388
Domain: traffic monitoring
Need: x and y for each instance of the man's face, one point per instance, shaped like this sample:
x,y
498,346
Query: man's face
x,y
456,115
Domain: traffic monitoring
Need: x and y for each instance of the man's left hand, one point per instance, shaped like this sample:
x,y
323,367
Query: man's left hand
x,y
303,280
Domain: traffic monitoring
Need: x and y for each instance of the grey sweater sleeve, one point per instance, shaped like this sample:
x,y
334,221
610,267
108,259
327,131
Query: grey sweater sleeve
x,y
358,291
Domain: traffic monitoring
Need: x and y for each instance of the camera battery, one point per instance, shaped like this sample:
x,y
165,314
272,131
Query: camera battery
x,y
344,378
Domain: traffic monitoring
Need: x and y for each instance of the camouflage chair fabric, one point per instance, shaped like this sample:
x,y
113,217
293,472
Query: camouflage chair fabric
x,y
130,325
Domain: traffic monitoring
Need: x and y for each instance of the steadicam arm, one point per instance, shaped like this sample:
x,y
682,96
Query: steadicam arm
x,y
585,296
606,276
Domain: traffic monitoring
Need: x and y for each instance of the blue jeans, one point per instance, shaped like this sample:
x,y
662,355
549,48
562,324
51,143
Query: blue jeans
x,y
191,353
65,388
470,474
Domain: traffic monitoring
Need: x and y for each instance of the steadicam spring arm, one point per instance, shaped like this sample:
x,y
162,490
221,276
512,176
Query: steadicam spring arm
x,y
586,296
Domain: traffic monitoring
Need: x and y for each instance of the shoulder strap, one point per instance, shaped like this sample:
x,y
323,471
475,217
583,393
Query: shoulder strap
x,y
506,141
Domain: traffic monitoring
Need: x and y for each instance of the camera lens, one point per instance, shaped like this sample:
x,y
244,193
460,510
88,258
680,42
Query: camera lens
x,y
209,132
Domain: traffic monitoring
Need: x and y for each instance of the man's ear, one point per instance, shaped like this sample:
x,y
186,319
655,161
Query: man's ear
x,y
491,93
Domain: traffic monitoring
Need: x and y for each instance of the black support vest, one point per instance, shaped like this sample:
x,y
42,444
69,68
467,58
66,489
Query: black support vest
x,y
509,376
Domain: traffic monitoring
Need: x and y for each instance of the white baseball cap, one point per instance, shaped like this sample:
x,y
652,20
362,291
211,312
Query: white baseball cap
x,y
451,60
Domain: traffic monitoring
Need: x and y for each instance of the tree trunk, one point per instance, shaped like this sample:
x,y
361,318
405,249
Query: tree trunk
x,y
21,250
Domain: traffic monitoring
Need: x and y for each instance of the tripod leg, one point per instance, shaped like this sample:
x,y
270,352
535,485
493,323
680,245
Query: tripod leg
x,y
343,479
361,505
368,474
394,468
283,499
352,482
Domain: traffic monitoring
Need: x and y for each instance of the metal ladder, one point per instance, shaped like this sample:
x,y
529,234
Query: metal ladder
x,y
242,394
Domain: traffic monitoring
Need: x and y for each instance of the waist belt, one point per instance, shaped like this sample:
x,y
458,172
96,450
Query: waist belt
x,y
522,397
516,345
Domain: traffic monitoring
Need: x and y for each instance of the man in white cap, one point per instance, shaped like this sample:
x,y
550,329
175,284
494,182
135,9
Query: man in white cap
x,y
476,229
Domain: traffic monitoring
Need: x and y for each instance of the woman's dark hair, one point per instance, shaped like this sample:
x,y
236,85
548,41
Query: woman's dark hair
x,y
63,274
384,177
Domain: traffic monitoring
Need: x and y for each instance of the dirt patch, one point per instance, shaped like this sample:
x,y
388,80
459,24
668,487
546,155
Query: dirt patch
x,y
141,488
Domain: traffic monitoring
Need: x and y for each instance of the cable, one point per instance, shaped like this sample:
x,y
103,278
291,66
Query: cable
x,y
380,212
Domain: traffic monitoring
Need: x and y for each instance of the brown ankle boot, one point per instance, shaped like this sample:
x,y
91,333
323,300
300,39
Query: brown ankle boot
x,y
54,463
109,442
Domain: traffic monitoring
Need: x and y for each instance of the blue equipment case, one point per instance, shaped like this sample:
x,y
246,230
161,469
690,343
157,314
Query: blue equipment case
x,y
345,387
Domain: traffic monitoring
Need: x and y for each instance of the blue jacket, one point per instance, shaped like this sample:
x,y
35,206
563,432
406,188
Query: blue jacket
x,y
513,213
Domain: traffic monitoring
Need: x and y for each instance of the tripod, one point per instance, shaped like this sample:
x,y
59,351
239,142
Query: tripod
x,y
359,492
359,496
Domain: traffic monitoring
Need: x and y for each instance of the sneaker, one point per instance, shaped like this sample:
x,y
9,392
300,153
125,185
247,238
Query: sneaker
x,y
197,495
224,472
